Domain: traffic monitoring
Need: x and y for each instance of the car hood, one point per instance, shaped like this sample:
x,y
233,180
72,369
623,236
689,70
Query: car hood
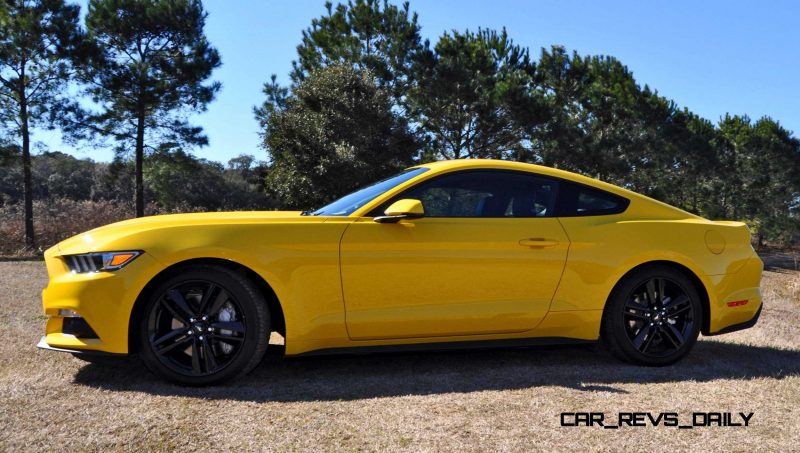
x,y
92,240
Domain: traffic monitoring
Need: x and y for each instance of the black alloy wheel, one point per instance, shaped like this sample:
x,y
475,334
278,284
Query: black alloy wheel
x,y
205,325
653,317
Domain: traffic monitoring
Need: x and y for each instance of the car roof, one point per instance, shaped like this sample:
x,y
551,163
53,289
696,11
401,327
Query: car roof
x,y
444,166
496,164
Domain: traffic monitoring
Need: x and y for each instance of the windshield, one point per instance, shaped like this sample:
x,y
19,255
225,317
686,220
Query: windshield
x,y
350,203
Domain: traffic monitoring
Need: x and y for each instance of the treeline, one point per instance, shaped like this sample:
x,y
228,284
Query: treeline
x,y
174,181
368,93
367,97
128,75
73,195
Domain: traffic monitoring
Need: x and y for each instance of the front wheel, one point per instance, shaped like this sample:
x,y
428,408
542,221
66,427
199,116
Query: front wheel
x,y
653,317
205,325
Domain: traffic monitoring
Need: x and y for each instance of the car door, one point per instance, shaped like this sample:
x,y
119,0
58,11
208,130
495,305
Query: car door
x,y
486,258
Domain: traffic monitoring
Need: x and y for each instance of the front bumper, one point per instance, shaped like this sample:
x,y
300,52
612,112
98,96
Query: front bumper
x,y
44,345
104,300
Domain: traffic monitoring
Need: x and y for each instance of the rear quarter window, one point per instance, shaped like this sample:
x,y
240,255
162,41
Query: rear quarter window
x,y
577,200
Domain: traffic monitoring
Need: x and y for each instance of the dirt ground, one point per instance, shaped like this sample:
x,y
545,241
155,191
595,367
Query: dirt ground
x,y
456,401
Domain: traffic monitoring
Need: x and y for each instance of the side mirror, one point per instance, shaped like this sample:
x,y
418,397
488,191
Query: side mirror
x,y
402,209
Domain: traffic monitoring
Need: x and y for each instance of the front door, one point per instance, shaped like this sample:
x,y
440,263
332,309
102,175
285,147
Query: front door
x,y
486,258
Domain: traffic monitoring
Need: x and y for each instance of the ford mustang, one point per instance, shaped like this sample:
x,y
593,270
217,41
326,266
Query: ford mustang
x,y
448,254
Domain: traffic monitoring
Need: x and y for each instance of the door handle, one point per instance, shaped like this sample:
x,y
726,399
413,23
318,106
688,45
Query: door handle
x,y
538,242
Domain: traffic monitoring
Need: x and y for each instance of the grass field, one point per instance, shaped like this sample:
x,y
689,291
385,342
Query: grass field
x,y
464,401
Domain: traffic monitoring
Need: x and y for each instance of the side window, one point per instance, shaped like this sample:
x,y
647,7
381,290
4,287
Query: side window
x,y
484,194
579,200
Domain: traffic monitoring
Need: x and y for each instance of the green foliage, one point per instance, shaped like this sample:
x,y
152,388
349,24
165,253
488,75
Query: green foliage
x,y
177,180
337,132
475,97
603,123
38,40
147,72
765,160
480,95
369,34
9,152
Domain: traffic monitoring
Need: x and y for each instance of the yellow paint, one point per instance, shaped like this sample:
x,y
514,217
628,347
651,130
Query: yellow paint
x,y
406,207
349,281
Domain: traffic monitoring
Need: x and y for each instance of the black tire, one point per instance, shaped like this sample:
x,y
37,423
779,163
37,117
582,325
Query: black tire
x,y
652,317
205,325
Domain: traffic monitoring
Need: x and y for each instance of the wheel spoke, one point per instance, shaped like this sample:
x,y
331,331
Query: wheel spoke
x,y
234,326
177,298
196,357
219,301
174,333
648,340
228,338
678,302
176,344
661,296
633,305
173,312
640,337
673,334
208,357
637,316
651,292
207,295
679,311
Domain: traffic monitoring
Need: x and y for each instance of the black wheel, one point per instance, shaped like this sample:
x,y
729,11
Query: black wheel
x,y
205,325
653,317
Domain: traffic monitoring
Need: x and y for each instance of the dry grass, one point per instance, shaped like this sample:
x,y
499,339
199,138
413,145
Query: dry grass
x,y
466,401
59,218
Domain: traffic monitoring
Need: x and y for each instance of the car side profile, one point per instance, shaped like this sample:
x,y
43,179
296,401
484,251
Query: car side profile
x,y
446,254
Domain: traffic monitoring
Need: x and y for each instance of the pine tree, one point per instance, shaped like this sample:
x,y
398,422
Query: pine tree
x,y
39,39
149,71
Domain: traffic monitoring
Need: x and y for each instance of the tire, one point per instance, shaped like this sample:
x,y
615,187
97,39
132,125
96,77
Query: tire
x,y
205,325
652,317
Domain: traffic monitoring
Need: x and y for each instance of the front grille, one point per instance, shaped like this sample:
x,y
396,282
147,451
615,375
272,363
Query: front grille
x,y
78,327
84,263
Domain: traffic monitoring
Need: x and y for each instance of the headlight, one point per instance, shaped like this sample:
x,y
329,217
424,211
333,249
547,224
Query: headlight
x,y
99,262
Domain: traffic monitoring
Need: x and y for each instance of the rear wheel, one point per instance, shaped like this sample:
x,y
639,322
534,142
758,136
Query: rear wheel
x,y
203,326
653,317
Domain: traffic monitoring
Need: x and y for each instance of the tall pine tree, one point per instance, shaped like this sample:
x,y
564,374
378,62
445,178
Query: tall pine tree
x,y
38,41
148,73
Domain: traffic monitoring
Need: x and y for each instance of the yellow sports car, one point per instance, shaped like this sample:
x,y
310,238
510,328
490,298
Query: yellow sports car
x,y
447,254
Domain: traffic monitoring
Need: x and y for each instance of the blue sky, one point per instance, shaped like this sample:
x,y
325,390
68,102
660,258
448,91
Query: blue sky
x,y
710,56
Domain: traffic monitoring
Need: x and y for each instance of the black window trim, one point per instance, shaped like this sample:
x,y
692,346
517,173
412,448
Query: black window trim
x,y
559,206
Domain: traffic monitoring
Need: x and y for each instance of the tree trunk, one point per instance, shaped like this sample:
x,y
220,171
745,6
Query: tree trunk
x,y
30,239
139,165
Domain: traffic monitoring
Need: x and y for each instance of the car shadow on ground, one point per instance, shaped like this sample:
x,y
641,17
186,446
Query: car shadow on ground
x,y
781,261
348,377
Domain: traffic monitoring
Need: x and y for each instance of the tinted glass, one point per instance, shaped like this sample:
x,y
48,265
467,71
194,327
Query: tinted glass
x,y
579,200
350,203
484,194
